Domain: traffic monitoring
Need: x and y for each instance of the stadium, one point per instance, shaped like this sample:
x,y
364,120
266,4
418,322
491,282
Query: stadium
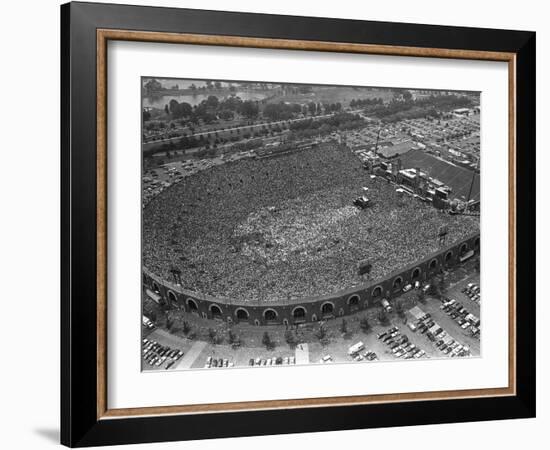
x,y
278,239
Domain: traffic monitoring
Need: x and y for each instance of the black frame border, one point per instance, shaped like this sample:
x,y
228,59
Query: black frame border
x,y
79,424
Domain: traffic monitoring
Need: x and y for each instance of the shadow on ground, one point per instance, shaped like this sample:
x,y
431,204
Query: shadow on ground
x,y
49,434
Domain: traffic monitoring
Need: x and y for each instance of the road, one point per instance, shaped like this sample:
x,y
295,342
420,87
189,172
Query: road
x,y
302,354
192,354
153,144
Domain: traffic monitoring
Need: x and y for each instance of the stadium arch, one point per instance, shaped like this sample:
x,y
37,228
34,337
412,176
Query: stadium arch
x,y
397,283
377,291
241,314
299,314
327,310
270,315
353,302
215,311
192,306
172,297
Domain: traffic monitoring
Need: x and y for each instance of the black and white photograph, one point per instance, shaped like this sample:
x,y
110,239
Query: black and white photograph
x,y
275,224
291,224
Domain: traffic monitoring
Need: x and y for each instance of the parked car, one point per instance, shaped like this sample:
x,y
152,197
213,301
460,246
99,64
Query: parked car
x,y
356,348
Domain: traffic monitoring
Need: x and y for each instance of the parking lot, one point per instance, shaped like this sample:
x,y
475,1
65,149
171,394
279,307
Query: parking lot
x,y
455,338
452,328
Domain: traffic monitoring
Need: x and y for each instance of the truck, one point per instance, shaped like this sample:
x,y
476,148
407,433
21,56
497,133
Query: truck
x,y
356,348
386,305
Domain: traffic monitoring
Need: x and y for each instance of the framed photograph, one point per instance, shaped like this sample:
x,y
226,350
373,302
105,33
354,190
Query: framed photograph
x,y
276,224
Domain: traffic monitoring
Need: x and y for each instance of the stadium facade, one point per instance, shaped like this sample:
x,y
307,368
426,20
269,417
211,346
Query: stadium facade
x,y
311,309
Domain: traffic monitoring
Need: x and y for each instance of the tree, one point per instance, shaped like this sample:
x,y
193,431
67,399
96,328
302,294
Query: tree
x,y
266,340
212,335
233,338
344,326
153,86
407,96
434,289
185,327
443,283
421,296
290,338
383,317
399,309
179,110
365,325
226,114
169,323
212,101
322,335
249,109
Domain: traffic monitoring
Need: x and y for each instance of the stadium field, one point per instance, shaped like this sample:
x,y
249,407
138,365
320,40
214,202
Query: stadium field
x,y
458,178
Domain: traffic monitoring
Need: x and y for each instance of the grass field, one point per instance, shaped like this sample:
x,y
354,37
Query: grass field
x,y
458,178
333,94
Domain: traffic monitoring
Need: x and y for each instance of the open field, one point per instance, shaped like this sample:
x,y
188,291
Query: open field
x,y
333,94
458,178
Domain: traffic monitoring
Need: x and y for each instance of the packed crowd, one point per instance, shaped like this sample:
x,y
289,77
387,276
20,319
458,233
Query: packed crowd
x,y
284,227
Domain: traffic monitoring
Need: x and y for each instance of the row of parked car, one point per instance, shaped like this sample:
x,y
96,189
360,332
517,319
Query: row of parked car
x,y
156,354
217,362
473,291
212,362
400,345
278,361
147,323
442,341
358,352
388,307
465,319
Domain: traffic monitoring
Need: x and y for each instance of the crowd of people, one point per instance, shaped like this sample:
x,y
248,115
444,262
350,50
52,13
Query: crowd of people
x,y
284,227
